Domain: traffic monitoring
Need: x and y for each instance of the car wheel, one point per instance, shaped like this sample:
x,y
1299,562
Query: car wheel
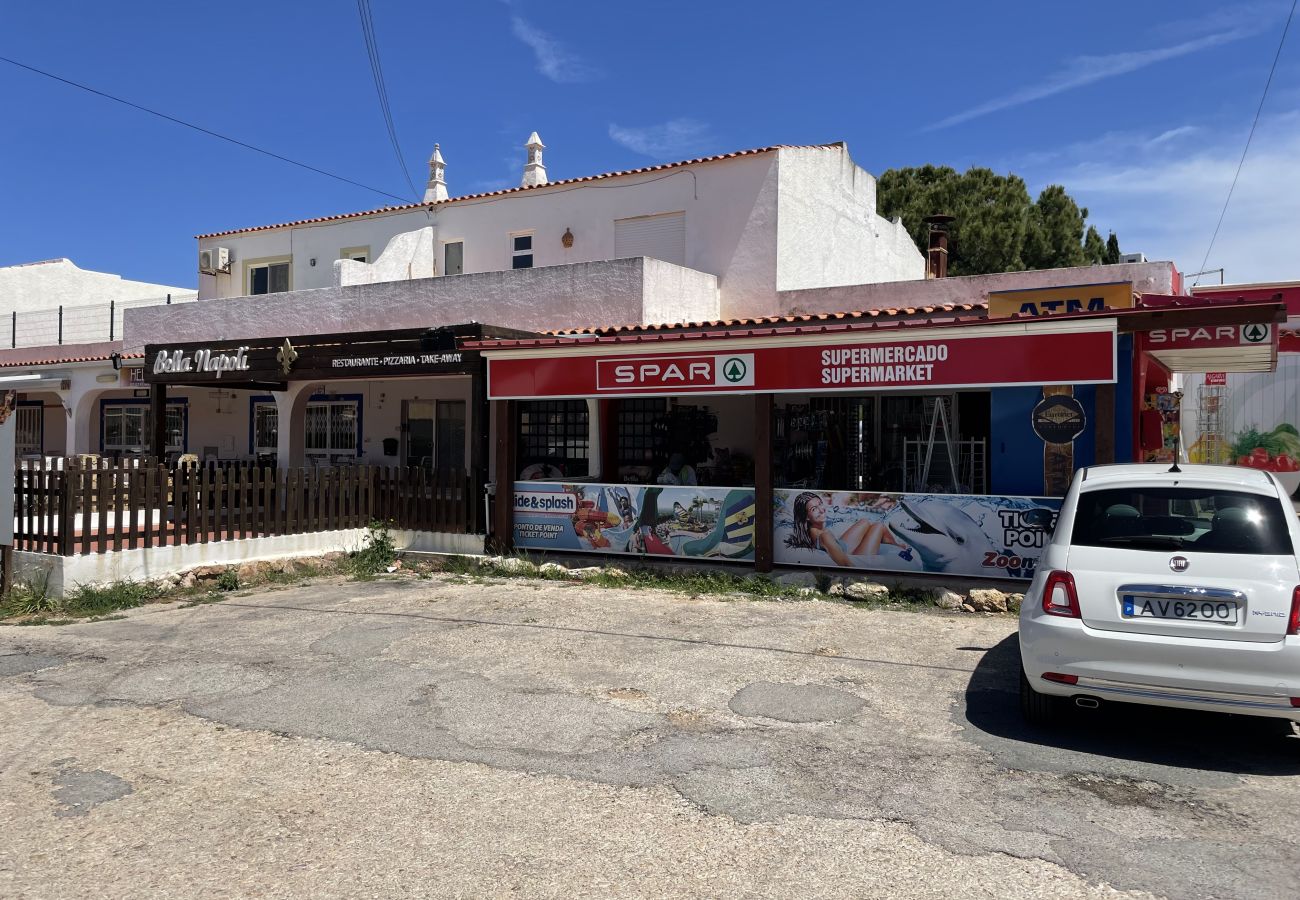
x,y
1037,709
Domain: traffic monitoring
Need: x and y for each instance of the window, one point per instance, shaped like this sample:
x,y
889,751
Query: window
x,y
268,277
555,434
521,251
453,258
1181,518
661,236
332,426
357,254
29,439
450,434
125,427
266,427
639,423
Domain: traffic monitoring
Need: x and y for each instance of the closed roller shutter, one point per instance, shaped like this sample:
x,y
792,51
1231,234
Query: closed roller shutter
x,y
663,237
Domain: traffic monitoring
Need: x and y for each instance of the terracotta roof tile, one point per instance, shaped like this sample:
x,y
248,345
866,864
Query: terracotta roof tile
x,y
25,363
868,315
515,190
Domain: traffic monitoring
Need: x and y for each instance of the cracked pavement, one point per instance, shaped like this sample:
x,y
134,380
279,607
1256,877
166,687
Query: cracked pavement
x,y
535,739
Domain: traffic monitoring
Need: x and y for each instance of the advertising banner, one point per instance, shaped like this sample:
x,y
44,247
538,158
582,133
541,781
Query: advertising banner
x,y
1082,356
941,534
714,523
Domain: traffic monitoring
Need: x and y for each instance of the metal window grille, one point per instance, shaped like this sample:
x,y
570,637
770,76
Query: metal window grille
x,y
555,432
638,425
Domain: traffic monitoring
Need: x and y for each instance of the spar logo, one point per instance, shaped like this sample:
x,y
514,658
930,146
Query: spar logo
x,y
1256,334
648,374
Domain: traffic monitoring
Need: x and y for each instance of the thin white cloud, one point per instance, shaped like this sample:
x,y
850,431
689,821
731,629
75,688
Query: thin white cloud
x,y
1085,70
1166,205
1172,134
554,60
678,137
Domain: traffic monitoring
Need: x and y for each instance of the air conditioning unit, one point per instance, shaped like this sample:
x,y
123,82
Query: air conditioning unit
x,y
214,261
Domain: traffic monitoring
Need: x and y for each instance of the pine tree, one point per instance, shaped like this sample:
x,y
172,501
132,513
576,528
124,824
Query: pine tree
x,y
1112,249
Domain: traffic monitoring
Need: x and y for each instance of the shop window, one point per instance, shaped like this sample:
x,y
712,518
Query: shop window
x,y
125,427
29,436
521,251
332,427
268,278
265,427
554,438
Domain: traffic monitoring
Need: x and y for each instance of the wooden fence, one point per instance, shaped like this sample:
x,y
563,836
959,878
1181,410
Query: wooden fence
x,y
69,508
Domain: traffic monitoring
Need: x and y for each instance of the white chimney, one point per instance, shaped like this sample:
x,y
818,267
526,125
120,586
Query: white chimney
x,y
436,190
534,171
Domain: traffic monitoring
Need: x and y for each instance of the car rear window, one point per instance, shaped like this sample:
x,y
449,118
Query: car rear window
x,y
1177,518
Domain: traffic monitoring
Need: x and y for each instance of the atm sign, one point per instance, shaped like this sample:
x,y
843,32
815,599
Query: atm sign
x,y
651,373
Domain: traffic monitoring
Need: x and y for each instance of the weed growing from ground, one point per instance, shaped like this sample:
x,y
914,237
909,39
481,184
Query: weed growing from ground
x,y
228,580
378,551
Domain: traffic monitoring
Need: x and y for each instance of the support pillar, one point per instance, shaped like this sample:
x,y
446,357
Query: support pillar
x,y
158,422
503,504
764,408
291,426
1104,452
480,448
607,422
80,410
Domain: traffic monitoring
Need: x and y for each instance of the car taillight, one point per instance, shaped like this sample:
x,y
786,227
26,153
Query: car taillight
x,y
1059,596
1060,678
1293,623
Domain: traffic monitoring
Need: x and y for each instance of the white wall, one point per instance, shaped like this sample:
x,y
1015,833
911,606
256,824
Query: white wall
x,y
1152,277
381,413
788,218
716,198
554,297
828,232
58,282
93,303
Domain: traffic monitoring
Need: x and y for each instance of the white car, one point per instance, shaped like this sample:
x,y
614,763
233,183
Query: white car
x,y
1167,586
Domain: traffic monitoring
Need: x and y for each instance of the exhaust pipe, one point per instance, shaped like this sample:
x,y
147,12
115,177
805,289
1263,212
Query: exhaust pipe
x,y
1087,702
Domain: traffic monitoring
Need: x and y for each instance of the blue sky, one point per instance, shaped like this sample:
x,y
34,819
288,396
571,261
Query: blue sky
x,y
1139,109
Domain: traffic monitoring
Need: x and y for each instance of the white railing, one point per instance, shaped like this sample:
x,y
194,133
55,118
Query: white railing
x,y
87,324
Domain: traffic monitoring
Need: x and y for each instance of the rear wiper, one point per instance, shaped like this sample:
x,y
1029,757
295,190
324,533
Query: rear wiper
x,y
1149,540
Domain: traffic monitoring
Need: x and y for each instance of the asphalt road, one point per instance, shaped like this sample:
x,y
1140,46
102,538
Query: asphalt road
x,y
538,739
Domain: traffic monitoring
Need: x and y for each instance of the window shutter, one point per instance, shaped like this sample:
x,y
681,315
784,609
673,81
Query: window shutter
x,y
663,237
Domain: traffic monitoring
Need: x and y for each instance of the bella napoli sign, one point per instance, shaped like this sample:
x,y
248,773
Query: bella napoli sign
x,y
217,362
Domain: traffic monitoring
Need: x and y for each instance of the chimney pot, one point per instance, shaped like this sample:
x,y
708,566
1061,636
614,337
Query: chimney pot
x,y
534,170
436,190
936,255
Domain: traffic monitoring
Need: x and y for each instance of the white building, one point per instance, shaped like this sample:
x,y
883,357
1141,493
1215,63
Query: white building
x,y
747,225
60,327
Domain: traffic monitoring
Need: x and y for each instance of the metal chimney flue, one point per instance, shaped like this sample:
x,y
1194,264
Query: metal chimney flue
x,y
936,254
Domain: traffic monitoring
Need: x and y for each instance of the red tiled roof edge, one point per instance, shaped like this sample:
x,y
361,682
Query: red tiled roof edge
x,y
65,360
792,319
766,328
515,190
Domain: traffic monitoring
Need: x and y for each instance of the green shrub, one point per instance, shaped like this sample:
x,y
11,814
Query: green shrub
x,y
228,580
377,553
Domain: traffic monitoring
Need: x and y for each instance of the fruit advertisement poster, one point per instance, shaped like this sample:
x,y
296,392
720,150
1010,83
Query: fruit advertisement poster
x,y
952,534
714,523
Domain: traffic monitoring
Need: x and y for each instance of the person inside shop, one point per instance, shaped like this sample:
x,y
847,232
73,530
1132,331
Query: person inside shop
x,y
677,472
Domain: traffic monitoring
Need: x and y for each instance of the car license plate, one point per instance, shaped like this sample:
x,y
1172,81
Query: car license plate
x,y
1222,612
